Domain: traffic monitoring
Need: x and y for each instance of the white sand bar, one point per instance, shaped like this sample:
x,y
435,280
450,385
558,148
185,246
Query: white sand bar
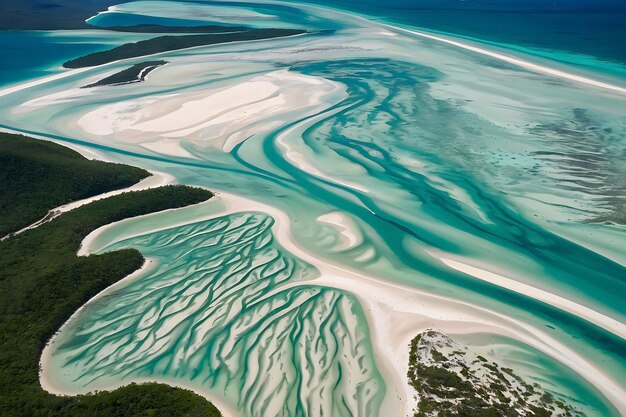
x,y
220,116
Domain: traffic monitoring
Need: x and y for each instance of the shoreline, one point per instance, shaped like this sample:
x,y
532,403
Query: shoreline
x,y
515,61
48,386
44,380
529,65
156,179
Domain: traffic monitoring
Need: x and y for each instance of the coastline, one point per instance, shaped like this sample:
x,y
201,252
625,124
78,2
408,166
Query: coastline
x,y
516,61
157,179
46,381
46,352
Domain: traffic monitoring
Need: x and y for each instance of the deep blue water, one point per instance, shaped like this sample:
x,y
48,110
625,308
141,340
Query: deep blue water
x,y
22,63
594,28
33,54
591,27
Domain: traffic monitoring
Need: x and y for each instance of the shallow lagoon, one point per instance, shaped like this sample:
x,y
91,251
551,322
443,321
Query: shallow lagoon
x,y
394,157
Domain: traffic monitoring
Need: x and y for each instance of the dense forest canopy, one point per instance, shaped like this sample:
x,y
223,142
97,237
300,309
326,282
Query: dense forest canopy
x,y
42,281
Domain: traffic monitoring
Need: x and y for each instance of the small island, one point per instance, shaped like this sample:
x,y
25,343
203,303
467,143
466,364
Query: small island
x,y
172,43
452,381
135,74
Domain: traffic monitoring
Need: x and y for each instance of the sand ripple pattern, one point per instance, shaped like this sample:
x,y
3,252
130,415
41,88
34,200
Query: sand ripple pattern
x,y
220,310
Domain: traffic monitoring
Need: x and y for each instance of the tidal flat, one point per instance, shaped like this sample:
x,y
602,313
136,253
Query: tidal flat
x,y
373,181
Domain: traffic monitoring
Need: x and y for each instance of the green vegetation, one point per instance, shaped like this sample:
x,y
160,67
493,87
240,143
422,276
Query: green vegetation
x,y
175,29
171,43
134,74
37,175
454,385
42,282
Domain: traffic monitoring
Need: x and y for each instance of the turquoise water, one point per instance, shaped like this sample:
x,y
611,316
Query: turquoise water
x,y
391,156
130,19
217,316
584,27
34,54
537,368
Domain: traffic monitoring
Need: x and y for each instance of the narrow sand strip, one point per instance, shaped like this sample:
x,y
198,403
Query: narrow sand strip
x,y
572,307
39,81
157,179
516,61
506,58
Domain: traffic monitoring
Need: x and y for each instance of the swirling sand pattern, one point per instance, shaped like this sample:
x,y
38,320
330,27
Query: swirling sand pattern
x,y
392,155
214,311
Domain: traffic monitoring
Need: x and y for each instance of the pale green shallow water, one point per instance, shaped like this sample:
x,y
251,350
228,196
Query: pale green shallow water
x,y
426,149
212,312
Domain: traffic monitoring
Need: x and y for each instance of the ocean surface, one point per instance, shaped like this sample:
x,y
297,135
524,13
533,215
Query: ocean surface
x,y
442,165
594,28
35,54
